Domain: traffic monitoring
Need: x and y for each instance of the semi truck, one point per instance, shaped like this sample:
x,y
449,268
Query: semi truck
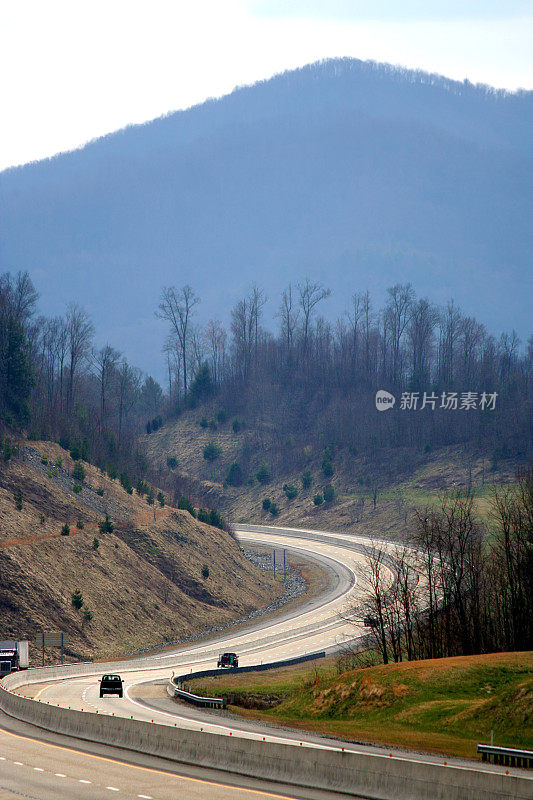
x,y
13,656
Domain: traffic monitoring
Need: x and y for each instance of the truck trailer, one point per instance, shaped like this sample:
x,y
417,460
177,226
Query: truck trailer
x,y
13,656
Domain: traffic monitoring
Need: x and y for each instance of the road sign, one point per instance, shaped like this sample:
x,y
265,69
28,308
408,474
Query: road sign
x,y
46,639
51,639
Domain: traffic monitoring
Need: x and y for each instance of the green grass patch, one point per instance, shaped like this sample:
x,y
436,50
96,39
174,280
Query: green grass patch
x,y
444,706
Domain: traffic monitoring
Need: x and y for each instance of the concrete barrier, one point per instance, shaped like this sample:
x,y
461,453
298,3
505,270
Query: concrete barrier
x,y
377,777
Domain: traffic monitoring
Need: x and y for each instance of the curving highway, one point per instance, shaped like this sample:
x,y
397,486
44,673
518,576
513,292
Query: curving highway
x,y
55,769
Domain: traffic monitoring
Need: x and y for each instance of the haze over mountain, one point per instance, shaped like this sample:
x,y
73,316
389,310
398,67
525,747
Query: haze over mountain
x,y
356,174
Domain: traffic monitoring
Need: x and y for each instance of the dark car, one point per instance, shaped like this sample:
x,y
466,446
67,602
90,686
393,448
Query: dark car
x,y
370,622
228,660
111,684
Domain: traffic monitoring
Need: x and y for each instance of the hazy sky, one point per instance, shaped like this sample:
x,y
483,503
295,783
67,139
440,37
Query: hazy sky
x,y
72,69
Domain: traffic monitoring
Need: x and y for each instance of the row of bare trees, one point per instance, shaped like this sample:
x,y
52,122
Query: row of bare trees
x,y
312,365
458,587
56,382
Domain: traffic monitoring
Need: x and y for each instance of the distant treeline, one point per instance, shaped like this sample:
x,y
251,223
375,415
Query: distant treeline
x,y
56,384
453,381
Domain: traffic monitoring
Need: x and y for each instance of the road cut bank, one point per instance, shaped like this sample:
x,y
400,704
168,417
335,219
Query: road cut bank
x,y
379,777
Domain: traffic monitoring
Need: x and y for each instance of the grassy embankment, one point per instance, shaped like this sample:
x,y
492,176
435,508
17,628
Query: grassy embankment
x,y
442,706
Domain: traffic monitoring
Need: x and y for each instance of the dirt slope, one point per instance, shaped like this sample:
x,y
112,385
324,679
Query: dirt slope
x,y
142,585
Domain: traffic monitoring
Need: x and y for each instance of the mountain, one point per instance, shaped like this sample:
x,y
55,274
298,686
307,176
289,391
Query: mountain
x,y
357,174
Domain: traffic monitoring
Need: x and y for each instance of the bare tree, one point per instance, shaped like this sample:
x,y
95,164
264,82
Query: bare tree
x,y
177,307
288,314
105,361
397,314
215,337
420,329
128,383
80,331
310,295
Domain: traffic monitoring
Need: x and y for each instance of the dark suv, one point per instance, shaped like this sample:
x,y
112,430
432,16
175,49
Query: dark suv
x,y
228,660
111,684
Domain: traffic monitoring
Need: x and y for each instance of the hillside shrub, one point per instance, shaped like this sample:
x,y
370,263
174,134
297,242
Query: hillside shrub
x,y
202,385
205,572
112,473
76,488
328,468
79,525
126,483
274,509
213,424
237,425
78,471
42,519
142,487
96,543
77,599
75,453
211,517
329,493
100,492
266,503
203,422
307,479
106,526
263,474
161,499
65,530
290,491
212,451
17,496
185,505
215,519
9,449
221,416
172,462
44,460
150,497
235,476
318,499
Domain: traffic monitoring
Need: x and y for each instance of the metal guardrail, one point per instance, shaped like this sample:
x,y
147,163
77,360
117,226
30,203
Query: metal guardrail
x,y
508,756
198,700
177,681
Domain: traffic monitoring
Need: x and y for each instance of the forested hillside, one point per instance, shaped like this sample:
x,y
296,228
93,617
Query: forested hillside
x,y
312,383
355,174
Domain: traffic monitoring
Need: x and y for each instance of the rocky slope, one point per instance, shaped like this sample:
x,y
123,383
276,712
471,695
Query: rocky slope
x,y
142,584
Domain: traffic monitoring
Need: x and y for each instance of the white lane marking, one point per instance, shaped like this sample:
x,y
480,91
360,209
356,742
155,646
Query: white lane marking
x,y
38,769
144,796
2,758
83,781
231,639
60,775
18,763
238,731
112,788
